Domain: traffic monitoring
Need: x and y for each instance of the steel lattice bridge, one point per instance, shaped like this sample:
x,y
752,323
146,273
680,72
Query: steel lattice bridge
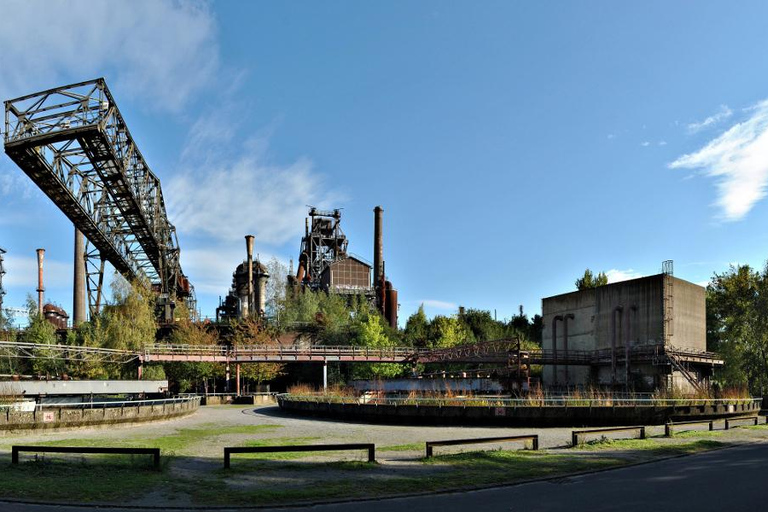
x,y
498,351
74,144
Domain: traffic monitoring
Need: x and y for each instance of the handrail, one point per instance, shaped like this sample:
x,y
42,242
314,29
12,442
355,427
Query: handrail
x,y
532,402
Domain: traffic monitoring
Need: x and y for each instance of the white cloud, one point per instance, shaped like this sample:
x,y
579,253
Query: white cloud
x,y
721,115
738,160
246,196
662,143
162,51
703,284
22,272
645,143
439,304
615,275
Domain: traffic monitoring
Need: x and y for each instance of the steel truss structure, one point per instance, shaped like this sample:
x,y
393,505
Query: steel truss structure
x,y
324,243
74,144
71,353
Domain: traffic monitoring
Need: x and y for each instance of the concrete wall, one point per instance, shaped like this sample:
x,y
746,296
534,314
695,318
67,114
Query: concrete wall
x,y
689,316
66,417
82,387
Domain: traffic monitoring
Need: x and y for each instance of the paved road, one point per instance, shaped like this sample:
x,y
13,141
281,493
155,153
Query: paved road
x,y
722,481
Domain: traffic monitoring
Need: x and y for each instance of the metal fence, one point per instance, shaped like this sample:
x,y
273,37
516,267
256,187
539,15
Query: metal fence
x,y
521,402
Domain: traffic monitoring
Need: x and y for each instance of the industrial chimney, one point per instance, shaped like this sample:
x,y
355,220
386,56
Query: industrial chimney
x,y
249,252
40,288
78,293
378,247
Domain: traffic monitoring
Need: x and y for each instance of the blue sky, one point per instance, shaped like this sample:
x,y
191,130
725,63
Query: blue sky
x,y
511,144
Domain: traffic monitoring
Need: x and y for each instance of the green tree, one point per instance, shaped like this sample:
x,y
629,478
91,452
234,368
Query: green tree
x,y
448,331
483,326
589,280
372,333
416,329
737,326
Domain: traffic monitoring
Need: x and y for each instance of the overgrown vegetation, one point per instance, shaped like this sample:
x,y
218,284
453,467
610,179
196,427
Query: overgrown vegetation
x,y
737,327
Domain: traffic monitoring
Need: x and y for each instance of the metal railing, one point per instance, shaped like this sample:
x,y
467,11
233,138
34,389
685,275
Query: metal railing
x,y
520,402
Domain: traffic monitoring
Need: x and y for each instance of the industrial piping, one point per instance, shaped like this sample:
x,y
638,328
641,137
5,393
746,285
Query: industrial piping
x,y
40,288
620,311
567,317
554,346
632,310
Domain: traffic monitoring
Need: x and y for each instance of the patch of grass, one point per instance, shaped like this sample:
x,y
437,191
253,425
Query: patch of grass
x,y
280,441
413,447
651,447
168,444
698,433
119,478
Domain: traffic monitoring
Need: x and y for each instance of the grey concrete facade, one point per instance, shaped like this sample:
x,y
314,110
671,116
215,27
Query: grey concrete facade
x,y
658,310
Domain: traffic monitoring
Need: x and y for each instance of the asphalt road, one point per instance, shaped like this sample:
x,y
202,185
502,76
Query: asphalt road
x,y
727,480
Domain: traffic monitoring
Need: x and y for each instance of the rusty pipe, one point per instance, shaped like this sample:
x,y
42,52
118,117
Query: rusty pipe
x,y
632,310
566,317
249,255
554,346
40,287
620,311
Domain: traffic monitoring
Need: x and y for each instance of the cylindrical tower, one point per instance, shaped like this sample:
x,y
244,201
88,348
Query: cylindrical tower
x,y
40,288
378,246
249,252
78,292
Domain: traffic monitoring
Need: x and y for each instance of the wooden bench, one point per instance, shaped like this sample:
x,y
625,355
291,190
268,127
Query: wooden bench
x,y
452,442
228,451
578,433
668,426
728,421
155,452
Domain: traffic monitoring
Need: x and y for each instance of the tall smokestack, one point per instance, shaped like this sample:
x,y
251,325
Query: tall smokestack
x,y
78,294
249,252
40,288
378,246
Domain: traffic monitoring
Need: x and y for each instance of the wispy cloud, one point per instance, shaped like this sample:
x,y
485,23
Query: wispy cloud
x,y
248,194
439,304
738,160
615,275
645,143
163,52
721,115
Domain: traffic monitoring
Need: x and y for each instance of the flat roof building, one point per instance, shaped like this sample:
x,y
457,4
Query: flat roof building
x,y
642,334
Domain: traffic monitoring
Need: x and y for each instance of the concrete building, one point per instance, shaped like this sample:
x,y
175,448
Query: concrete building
x,y
642,334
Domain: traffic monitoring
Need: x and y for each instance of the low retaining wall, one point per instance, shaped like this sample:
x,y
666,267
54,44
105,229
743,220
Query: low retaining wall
x,y
515,416
64,417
